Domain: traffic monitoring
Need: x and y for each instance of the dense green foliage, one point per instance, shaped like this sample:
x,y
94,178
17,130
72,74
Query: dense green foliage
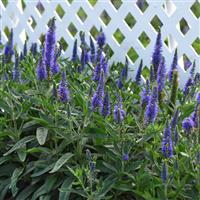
x,y
44,142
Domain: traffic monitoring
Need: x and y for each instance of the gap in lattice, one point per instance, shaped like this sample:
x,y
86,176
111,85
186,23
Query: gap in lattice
x,y
144,39
195,8
70,1
21,5
142,5
156,23
170,43
60,11
130,20
119,37
94,32
145,72
108,50
32,22
196,45
63,43
105,17
42,38
183,26
40,8
132,54
169,7
6,32
14,19
186,62
92,2
23,36
82,14
116,3
5,3
72,29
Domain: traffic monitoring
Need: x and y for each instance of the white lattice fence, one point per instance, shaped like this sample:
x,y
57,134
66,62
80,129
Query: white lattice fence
x,y
130,27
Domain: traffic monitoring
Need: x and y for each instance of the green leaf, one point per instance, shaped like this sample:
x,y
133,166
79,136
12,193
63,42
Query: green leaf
x,y
184,154
22,153
26,192
106,187
41,135
46,187
4,159
20,144
67,186
17,172
4,192
44,170
61,161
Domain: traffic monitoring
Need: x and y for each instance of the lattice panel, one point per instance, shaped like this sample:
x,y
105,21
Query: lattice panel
x,y
130,26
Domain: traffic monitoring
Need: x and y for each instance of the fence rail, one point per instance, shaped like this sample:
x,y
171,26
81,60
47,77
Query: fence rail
x,y
130,26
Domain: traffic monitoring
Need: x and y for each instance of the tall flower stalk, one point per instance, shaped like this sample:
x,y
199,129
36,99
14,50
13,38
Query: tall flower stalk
x,y
41,69
105,110
9,49
173,66
161,76
50,44
97,99
63,91
157,54
139,72
119,113
152,107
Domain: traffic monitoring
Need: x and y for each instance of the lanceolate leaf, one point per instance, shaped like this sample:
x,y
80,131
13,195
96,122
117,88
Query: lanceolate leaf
x,y
67,184
20,144
14,179
41,135
61,161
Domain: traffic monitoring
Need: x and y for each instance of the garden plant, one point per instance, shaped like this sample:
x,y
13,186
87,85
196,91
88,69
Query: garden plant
x,y
83,128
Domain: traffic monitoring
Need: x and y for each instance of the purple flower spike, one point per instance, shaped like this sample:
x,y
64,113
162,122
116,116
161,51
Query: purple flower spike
x,y
125,157
63,92
50,42
161,75
167,146
101,39
25,49
55,68
198,98
105,111
16,73
188,125
173,66
175,119
34,49
176,137
152,75
41,68
164,173
187,86
124,72
74,53
98,68
152,107
119,82
157,54
139,72
119,113
9,50
97,99
92,51
192,71
105,66
145,96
